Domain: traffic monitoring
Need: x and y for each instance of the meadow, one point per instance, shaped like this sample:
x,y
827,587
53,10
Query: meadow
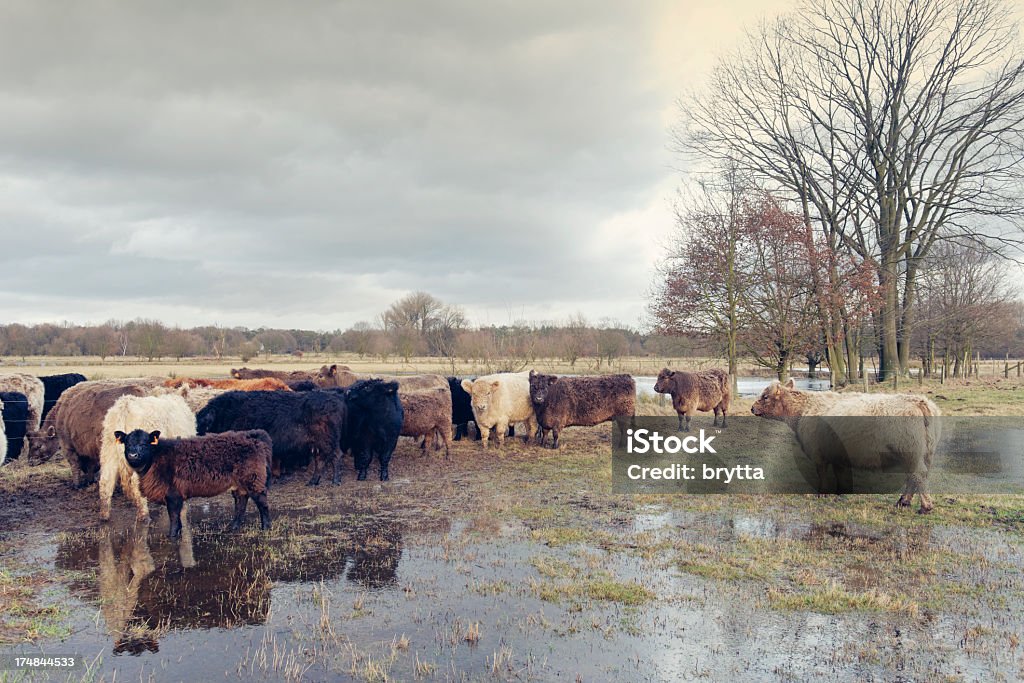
x,y
517,564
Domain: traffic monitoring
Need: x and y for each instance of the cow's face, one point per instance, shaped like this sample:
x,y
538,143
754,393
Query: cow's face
x,y
236,374
138,447
772,401
482,393
42,445
663,385
539,385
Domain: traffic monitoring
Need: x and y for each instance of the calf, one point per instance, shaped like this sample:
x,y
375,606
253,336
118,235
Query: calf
x,y
15,421
562,402
172,471
820,420
692,391
303,425
169,414
375,422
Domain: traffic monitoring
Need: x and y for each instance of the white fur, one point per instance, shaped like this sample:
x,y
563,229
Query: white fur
x,y
168,413
34,391
500,400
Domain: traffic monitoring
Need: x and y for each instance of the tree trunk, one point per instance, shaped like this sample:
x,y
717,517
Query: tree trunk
x,y
888,359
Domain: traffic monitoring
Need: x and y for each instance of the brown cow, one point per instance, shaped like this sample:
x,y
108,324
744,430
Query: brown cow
x,y
692,391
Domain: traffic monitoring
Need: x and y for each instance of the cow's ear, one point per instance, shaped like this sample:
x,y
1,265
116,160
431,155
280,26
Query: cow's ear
x,y
467,386
51,431
119,437
333,371
791,383
495,384
154,438
532,373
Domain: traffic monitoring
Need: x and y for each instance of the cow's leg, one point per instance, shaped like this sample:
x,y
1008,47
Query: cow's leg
x,y
479,432
336,478
108,481
241,502
445,434
724,411
821,468
921,486
554,434
315,479
130,486
844,479
174,503
261,504
383,460
687,428
500,429
907,497
680,423
714,422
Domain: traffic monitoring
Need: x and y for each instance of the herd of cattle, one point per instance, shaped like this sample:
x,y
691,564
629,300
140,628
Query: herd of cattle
x,y
165,441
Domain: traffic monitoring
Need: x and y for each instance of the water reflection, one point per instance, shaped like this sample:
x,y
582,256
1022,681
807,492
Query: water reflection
x,y
147,585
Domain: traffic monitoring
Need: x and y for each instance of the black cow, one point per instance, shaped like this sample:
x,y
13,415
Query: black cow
x,y
55,385
302,425
15,415
375,421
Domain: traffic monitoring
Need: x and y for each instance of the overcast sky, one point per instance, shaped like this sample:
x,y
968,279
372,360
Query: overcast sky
x,y
305,164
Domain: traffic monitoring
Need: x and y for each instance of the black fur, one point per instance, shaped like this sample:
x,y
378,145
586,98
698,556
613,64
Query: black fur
x,y
15,414
375,421
55,385
302,424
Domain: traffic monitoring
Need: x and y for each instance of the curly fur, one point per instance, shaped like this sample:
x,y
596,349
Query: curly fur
x,y
562,402
693,391
500,400
261,384
168,413
54,386
34,391
15,421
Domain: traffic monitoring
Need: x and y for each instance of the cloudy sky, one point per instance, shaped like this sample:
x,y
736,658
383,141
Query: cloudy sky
x,y
305,164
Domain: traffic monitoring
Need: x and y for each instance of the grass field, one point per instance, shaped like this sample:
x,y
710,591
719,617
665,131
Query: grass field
x,y
519,564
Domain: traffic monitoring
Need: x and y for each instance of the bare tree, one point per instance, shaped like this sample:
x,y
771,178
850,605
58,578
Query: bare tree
x,y
894,123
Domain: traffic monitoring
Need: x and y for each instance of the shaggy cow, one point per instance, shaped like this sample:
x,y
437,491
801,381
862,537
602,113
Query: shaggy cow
x,y
54,386
428,413
692,391
500,400
303,425
335,376
34,391
562,402
286,375
168,413
820,420
15,421
171,471
76,424
262,384
375,421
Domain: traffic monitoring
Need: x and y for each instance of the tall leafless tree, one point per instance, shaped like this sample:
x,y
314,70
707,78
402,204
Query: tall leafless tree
x,y
895,124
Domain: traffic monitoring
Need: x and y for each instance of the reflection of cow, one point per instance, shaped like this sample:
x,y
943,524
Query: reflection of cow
x,y
376,552
120,578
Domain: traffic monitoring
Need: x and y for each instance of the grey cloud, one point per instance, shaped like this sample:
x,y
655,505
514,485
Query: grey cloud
x,y
312,162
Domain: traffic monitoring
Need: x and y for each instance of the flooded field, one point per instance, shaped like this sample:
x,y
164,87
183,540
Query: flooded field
x,y
514,565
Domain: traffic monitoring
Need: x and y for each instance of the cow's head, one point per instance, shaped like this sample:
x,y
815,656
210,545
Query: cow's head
x,y
237,374
42,445
138,447
772,403
480,393
664,383
539,386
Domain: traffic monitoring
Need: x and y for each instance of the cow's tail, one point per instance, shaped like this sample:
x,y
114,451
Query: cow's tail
x,y
931,414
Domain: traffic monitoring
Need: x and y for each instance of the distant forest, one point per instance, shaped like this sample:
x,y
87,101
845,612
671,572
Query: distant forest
x,y
416,325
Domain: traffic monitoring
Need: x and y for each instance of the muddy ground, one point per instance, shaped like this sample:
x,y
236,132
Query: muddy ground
x,y
514,565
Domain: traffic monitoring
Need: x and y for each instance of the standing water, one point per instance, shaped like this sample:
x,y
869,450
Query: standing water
x,y
746,386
